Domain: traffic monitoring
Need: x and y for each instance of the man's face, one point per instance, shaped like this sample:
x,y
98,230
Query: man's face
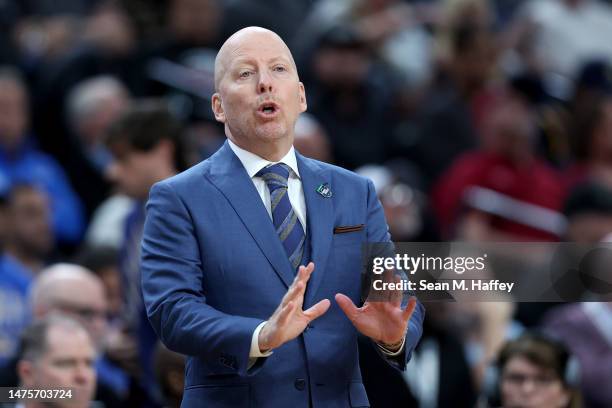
x,y
67,363
525,385
133,171
85,301
31,221
13,114
259,93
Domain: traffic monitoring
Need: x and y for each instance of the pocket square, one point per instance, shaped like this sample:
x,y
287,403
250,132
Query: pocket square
x,y
348,228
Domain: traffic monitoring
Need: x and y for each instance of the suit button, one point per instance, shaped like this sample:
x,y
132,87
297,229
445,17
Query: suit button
x,y
300,384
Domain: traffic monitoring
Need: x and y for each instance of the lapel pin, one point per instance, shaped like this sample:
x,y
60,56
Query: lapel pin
x,y
324,190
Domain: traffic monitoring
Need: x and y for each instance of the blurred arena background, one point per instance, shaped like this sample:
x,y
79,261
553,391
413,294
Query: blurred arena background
x,y
477,121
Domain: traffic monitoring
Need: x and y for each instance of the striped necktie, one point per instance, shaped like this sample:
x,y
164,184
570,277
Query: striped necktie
x,y
284,218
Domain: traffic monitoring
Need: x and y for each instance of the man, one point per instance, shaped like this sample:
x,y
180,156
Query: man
x,y
30,232
147,146
21,161
222,244
92,106
15,281
76,292
58,353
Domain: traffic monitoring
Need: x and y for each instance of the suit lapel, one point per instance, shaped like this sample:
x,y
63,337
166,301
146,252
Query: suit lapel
x,y
229,176
320,216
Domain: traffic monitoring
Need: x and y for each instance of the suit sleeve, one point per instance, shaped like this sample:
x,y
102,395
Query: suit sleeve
x,y
378,231
172,290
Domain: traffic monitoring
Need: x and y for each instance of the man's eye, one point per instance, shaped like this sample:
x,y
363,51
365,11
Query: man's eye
x,y
280,68
245,74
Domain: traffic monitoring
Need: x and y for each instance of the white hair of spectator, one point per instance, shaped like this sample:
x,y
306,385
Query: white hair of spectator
x,y
87,96
49,281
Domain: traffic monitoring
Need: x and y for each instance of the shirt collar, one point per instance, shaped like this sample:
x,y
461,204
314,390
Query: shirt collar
x,y
253,163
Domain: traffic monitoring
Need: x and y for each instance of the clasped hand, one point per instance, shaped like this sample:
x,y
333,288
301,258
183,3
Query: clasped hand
x,y
383,321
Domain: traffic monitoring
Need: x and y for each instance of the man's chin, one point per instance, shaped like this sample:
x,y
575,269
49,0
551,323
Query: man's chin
x,y
271,132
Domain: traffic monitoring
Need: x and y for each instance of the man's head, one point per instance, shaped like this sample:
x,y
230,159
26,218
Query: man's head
x,y
258,92
92,106
588,210
75,291
14,116
147,146
592,129
57,352
30,231
535,372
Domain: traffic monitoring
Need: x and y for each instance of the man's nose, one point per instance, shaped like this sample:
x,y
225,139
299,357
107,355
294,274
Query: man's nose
x,y
265,82
83,374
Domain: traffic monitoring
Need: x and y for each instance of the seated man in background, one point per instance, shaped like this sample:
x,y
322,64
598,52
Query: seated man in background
x,y
58,353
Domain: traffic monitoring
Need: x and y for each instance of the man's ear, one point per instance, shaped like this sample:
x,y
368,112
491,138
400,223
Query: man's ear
x,y
25,371
302,97
217,107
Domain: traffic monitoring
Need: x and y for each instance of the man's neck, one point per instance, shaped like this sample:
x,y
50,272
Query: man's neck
x,y
273,152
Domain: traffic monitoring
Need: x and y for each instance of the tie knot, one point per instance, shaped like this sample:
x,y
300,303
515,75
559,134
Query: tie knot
x,y
275,176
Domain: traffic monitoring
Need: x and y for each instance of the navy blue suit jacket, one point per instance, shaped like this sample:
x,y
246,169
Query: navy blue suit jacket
x,y
213,269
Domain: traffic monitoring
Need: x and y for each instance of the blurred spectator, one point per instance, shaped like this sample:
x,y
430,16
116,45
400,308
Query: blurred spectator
x,y
107,45
311,140
170,373
106,226
394,29
15,281
439,374
147,147
92,106
104,262
20,161
405,205
589,213
351,98
58,353
448,119
592,136
535,371
509,193
586,329
30,237
75,291
564,34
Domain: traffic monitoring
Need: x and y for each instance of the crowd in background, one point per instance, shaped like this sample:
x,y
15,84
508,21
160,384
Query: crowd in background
x,y
477,121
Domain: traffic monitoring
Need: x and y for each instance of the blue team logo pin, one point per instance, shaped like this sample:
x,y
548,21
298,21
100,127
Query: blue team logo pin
x,y
324,190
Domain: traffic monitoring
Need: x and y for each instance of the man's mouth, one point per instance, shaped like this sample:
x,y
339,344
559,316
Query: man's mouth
x,y
268,108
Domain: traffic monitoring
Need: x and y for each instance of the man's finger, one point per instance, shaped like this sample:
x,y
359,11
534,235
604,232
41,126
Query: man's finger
x,y
407,312
285,313
396,295
292,293
347,306
317,310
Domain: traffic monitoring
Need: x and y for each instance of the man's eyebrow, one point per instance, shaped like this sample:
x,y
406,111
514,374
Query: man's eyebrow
x,y
241,61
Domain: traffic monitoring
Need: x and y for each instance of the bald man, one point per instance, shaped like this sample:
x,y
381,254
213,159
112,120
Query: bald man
x,y
251,259
73,290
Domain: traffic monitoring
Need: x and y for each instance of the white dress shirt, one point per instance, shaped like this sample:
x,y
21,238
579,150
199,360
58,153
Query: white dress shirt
x,y
253,164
